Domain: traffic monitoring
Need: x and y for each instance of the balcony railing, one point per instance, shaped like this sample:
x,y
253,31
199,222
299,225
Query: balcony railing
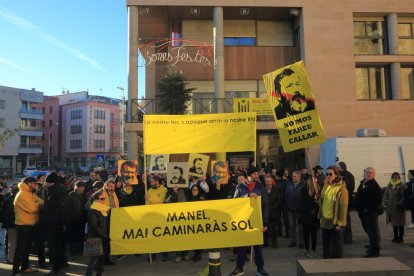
x,y
29,113
31,131
194,106
30,148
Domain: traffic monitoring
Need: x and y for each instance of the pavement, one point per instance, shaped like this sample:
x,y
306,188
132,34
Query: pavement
x,y
279,261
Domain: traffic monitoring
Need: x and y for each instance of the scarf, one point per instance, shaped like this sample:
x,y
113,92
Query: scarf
x,y
395,182
100,208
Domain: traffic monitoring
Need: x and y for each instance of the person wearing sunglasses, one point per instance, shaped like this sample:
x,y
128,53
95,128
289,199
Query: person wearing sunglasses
x,y
332,213
368,201
97,228
394,204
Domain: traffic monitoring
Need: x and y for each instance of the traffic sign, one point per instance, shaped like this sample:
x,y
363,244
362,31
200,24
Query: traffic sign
x,y
100,158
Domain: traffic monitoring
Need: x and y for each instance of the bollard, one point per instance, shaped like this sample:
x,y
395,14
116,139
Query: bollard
x,y
214,263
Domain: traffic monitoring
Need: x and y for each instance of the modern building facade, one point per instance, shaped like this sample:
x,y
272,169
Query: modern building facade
x,y
18,131
359,56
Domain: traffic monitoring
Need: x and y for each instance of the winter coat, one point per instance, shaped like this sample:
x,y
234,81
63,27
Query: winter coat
x,y
340,206
275,201
368,196
26,206
293,194
78,202
55,196
408,195
309,208
394,204
97,225
156,195
7,212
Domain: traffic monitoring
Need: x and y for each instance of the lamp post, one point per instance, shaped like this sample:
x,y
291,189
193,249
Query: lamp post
x,y
122,122
48,147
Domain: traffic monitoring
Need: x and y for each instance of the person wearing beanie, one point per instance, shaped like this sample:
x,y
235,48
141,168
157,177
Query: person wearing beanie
x,y
55,195
78,218
26,208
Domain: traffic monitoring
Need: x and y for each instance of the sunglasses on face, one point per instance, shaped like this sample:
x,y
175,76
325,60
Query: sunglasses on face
x,y
329,174
395,177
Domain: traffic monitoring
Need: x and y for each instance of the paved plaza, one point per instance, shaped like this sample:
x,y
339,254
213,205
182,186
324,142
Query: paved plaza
x,y
280,261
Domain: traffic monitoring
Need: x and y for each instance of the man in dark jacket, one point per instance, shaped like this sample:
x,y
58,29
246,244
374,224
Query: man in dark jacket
x,y
7,218
293,196
77,221
251,188
275,204
55,196
349,180
367,201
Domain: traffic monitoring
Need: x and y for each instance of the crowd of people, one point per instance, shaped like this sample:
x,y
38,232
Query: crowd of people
x,y
60,212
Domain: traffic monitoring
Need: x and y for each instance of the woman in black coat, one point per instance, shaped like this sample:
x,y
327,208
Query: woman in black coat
x,y
308,216
97,228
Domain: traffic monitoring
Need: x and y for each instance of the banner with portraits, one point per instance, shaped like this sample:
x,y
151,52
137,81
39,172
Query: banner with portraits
x,y
293,104
186,226
198,164
128,171
159,163
220,132
177,174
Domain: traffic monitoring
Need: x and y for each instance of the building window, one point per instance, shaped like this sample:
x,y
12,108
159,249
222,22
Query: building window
x,y
75,144
50,123
2,104
112,118
2,122
50,109
75,129
43,123
370,37
407,82
239,41
99,114
99,129
99,143
43,110
373,83
76,114
204,103
406,38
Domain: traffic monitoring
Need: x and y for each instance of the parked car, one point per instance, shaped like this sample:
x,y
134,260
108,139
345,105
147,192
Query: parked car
x,y
29,169
84,170
35,174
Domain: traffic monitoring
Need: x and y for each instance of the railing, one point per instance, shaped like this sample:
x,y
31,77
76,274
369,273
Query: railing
x,y
31,111
194,106
31,146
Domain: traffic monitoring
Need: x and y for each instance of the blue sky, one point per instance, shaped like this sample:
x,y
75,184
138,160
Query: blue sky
x,y
73,45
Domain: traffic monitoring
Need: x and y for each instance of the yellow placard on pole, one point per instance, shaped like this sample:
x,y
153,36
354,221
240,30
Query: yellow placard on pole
x,y
222,132
186,226
293,104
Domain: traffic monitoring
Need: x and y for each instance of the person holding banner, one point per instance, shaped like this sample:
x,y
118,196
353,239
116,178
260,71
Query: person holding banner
x,y
250,188
333,209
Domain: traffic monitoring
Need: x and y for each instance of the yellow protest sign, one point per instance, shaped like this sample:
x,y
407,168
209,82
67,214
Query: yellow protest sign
x,y
259,105
222,132
291,99
186,226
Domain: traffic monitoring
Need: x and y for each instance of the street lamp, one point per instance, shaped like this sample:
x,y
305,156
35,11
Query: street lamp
x,y
122,116
48,147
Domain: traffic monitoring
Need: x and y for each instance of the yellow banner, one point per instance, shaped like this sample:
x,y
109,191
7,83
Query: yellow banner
x,y
291,99
186,226
259,105
223,132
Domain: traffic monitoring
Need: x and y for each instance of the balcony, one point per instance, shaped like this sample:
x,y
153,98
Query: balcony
x,y
30,149
28,113
31,131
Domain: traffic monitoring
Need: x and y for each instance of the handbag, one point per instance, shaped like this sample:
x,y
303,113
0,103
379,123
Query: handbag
x,y
92,247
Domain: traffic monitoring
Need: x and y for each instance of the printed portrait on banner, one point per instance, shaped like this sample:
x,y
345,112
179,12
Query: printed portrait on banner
x,y
198,164
128,171
159,163
177,174
220,172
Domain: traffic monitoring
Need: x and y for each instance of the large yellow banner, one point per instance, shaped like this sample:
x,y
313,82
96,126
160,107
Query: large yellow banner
x,y
222,132
290,97
259,105
186,226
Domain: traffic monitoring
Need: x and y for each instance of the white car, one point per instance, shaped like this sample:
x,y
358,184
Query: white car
x,y
28,170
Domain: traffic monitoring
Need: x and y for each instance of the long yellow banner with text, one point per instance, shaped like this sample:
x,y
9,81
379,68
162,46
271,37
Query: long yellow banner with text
x,y
293,104
186,226
222,132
